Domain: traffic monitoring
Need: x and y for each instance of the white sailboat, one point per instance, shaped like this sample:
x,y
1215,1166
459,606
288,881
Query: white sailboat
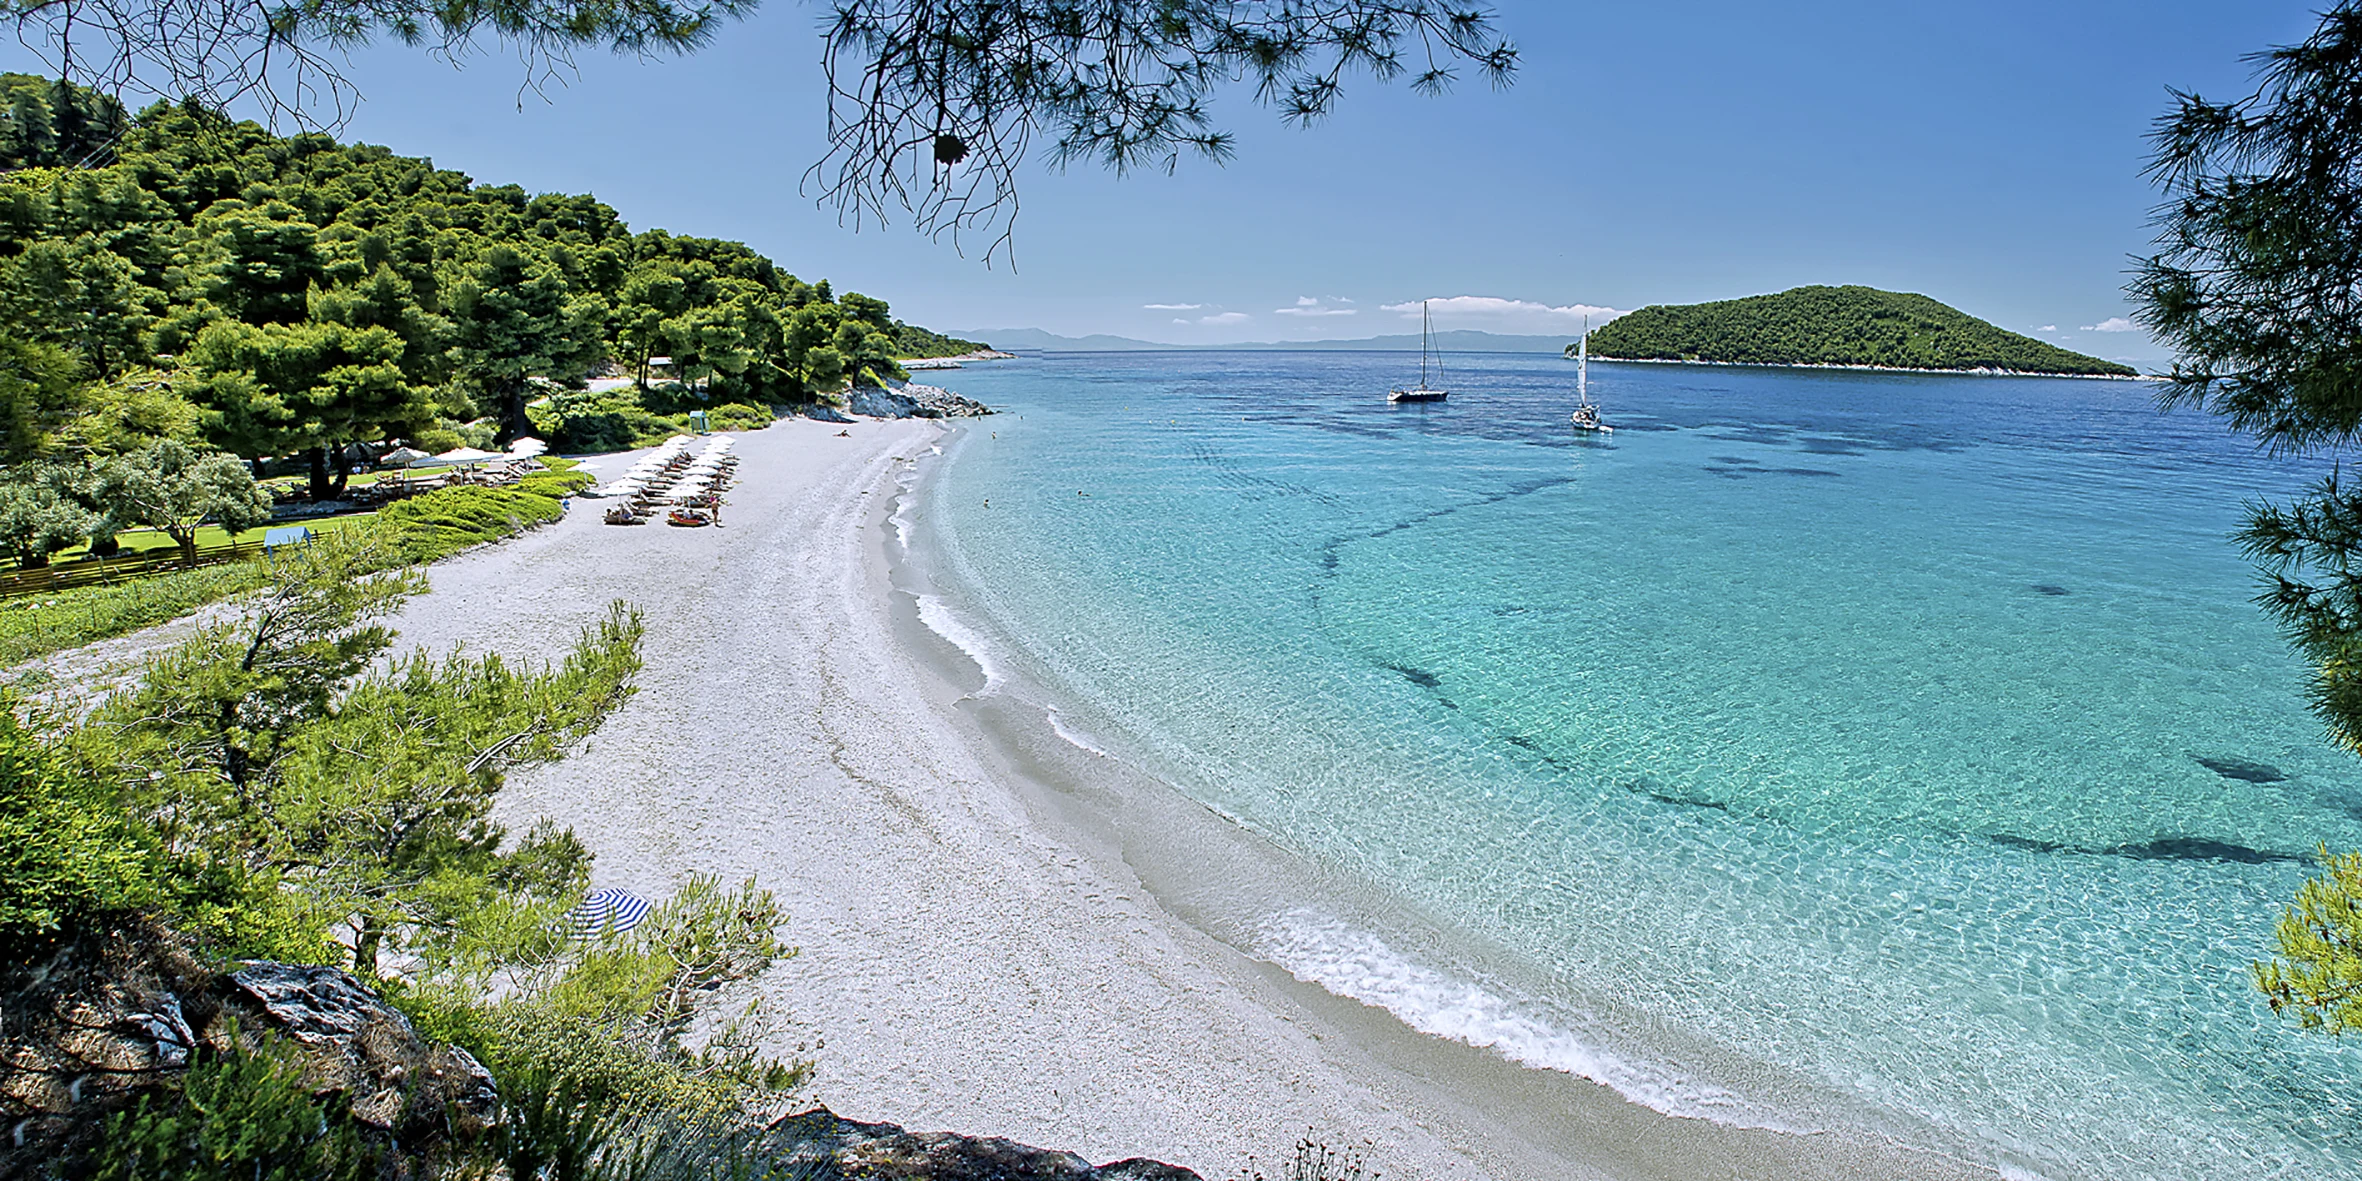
x,y
1422,392
1586,415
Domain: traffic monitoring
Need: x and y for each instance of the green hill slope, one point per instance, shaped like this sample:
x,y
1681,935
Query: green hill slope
x,y
1835,326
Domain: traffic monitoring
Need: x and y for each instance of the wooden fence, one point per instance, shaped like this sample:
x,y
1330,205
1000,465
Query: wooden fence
x,y
121,568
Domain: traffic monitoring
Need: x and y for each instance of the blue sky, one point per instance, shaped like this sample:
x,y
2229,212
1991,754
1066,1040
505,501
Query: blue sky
x,y
1986,154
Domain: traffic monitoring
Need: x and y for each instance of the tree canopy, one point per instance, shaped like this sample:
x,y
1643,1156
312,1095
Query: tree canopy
x,y
1834,326
294,296
2259,257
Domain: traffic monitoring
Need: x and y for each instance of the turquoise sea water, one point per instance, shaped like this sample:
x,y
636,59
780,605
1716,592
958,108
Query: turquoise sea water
x,y
1826,748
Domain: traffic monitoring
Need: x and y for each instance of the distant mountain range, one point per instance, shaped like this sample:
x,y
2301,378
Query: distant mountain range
x,y
1456,341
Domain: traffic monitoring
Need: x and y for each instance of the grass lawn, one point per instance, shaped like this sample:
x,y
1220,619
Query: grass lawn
x,y
208,537
435,525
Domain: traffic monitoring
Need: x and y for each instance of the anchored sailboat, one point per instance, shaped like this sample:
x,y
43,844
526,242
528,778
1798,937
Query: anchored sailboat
x,y
1586,415
1422,392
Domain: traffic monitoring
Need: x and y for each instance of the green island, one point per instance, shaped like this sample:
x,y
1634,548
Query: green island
x,y
1852,327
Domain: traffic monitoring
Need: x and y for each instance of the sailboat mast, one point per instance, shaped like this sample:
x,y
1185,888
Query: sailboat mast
x,y
1583,363
1422,344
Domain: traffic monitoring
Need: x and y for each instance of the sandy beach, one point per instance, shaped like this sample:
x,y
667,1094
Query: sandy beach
x,y
974,956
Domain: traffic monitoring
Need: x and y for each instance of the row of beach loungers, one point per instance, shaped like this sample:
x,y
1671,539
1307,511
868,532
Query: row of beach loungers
x,y
686,489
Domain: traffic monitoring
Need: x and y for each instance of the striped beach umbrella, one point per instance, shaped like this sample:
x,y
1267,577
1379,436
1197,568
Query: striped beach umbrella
x,y
606,910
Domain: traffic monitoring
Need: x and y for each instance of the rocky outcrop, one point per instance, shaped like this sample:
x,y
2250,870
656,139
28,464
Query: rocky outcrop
x,y
913,400
358,1045
851,1148
96,1023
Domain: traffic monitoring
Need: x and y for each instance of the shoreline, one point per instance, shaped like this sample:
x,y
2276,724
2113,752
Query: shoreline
x,y
1005,931
1873,368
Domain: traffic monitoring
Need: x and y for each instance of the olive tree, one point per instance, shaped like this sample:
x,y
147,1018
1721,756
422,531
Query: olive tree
x,y
178,489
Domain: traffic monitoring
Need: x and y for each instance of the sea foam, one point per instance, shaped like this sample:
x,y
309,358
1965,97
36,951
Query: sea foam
x,y
1359,965
1058,727
940,619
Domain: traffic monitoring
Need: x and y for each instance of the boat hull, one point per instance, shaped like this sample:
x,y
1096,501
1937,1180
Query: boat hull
x,y
1418,395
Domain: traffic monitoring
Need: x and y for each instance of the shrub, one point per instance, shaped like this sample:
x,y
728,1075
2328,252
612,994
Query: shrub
x,y
738,416
69,853
244,1115
561,480
448,520
623,419
606,1022
1316,1161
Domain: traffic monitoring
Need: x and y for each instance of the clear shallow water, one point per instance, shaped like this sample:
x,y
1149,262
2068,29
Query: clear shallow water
x,y
1909,742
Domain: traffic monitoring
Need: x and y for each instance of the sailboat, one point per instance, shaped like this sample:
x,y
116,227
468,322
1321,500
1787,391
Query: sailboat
x,y
1422,392
1586,415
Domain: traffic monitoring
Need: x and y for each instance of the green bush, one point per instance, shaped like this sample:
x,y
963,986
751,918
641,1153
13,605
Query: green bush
x,y
36,625
72,855
448,520
238,912
245,1115
69,853
585,421
561,480
738,416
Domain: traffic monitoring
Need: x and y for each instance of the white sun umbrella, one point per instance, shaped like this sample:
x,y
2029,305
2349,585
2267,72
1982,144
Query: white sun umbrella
x,y
527,448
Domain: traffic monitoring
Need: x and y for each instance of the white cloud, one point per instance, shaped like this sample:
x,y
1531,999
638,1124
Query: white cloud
x,y
1224,318
1495,314
2111,324
1172,307
2048,328
1308,306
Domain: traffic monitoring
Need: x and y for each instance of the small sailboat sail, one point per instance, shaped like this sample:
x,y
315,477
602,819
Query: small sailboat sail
x,y
1423,392
1586,415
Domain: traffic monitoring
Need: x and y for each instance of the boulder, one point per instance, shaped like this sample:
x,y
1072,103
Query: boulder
x,y
855,1149
358,1044
913,400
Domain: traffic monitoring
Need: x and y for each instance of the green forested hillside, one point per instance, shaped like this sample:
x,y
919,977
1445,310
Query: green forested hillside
x,y
914,342
177,274
1835,326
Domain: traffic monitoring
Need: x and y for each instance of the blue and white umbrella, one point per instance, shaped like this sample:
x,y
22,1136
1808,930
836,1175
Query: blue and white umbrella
x,y
606,910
